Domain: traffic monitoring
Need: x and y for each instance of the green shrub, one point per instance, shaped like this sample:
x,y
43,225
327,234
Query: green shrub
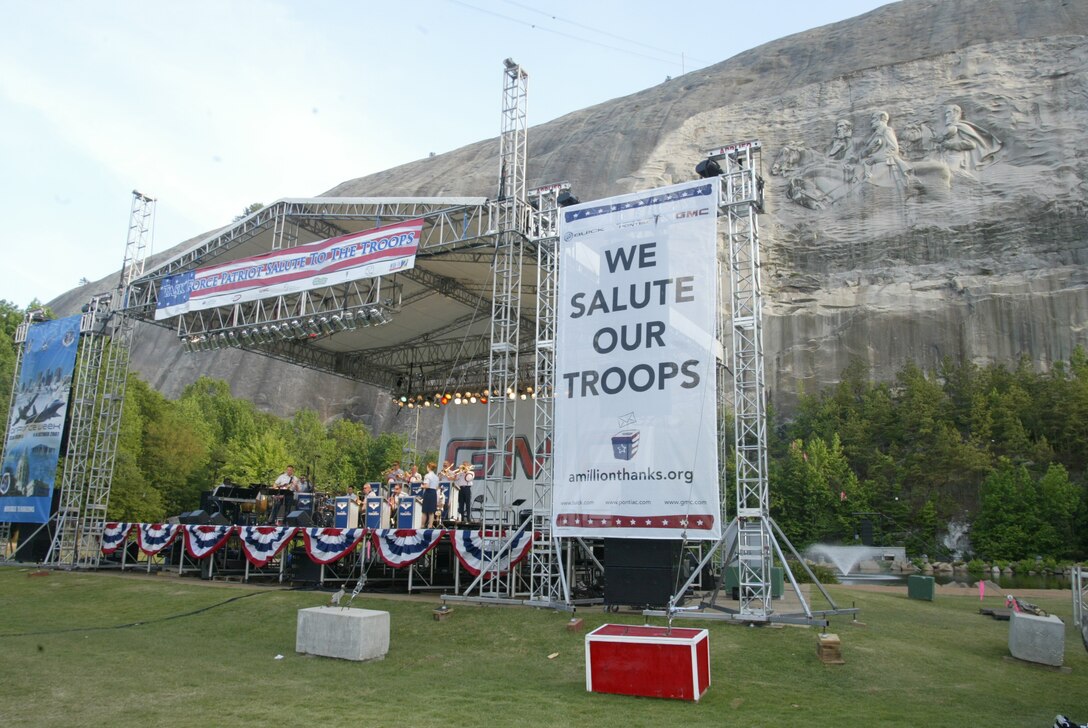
x,y
975,566
824,572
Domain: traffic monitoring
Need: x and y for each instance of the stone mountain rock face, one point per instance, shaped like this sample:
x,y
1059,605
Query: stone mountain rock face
x,y
925,193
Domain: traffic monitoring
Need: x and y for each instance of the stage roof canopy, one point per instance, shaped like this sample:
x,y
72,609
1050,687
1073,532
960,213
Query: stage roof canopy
x,y
419,331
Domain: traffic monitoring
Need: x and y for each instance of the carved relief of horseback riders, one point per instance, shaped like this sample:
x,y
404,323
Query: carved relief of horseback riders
x,y
926,162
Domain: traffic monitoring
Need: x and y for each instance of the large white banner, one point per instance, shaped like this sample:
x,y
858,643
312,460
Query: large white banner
x,y
635,404
355,256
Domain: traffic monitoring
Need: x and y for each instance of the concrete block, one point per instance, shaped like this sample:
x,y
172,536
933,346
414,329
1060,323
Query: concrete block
x,y
576,624
1037,639
350,634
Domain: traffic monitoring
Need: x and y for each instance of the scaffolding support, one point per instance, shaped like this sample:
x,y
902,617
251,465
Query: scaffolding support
x,y
98,402
547,586
754,540
81,435
1080,601
512,216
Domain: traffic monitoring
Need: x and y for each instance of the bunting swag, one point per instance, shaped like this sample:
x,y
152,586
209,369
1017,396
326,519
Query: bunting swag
x,y
260,544
403,547
326,545
154,537
113,535
203,541
474,551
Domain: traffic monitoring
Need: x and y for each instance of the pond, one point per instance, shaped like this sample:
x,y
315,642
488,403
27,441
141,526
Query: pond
x,y
1012,582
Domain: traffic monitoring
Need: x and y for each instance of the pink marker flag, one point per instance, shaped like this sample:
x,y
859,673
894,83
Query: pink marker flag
x,y
981,589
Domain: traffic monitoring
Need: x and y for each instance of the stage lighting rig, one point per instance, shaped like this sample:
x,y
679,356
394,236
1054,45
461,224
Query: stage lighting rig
x,y
708,168
566,199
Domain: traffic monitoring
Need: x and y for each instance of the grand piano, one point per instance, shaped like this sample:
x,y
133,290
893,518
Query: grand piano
x,y
241,505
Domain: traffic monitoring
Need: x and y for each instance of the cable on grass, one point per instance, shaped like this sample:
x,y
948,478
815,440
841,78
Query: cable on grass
x,y
132,624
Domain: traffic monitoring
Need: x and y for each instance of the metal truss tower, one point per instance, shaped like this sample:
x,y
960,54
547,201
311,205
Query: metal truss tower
x,y
512,218
106,338
81,432
740,203
547,585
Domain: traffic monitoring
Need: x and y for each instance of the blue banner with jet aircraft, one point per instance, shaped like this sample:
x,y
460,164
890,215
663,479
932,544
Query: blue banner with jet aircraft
x,y
36,421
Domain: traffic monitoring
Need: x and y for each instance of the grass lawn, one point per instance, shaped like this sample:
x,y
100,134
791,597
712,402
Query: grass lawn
x,y
913,663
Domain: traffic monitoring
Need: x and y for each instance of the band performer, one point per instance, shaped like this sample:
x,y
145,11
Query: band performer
x,y
463,482
430,497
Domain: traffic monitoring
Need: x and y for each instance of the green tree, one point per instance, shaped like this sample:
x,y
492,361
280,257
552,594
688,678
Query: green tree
x,y
1007,520
257,458
1059,502
132,497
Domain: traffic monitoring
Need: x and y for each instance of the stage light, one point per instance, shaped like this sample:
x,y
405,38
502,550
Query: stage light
x,y
232,338
296,326
483,400
411,405
247,338
403,398
566,199
340,324
708,168
223,340
523,396
457,400
312,326
426,403
472,400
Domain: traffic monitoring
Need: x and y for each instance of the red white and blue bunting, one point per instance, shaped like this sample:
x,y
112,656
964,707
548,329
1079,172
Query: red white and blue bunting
x,y
154,537
326,545
203,541
475,551
260,544
113,535
403,547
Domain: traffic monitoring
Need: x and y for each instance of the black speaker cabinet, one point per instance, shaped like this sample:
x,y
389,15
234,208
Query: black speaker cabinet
x,y
644,553
34,542
640,572
303,569
299,518
638,587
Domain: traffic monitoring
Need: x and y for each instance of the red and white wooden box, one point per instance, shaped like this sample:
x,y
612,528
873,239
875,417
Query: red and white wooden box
x,y
655,662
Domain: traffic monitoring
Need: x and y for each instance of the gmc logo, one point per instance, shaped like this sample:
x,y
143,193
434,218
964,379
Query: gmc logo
x,y
692,213
473,449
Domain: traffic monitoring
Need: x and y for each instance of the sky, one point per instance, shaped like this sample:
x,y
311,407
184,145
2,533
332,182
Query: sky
x,y
209,106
